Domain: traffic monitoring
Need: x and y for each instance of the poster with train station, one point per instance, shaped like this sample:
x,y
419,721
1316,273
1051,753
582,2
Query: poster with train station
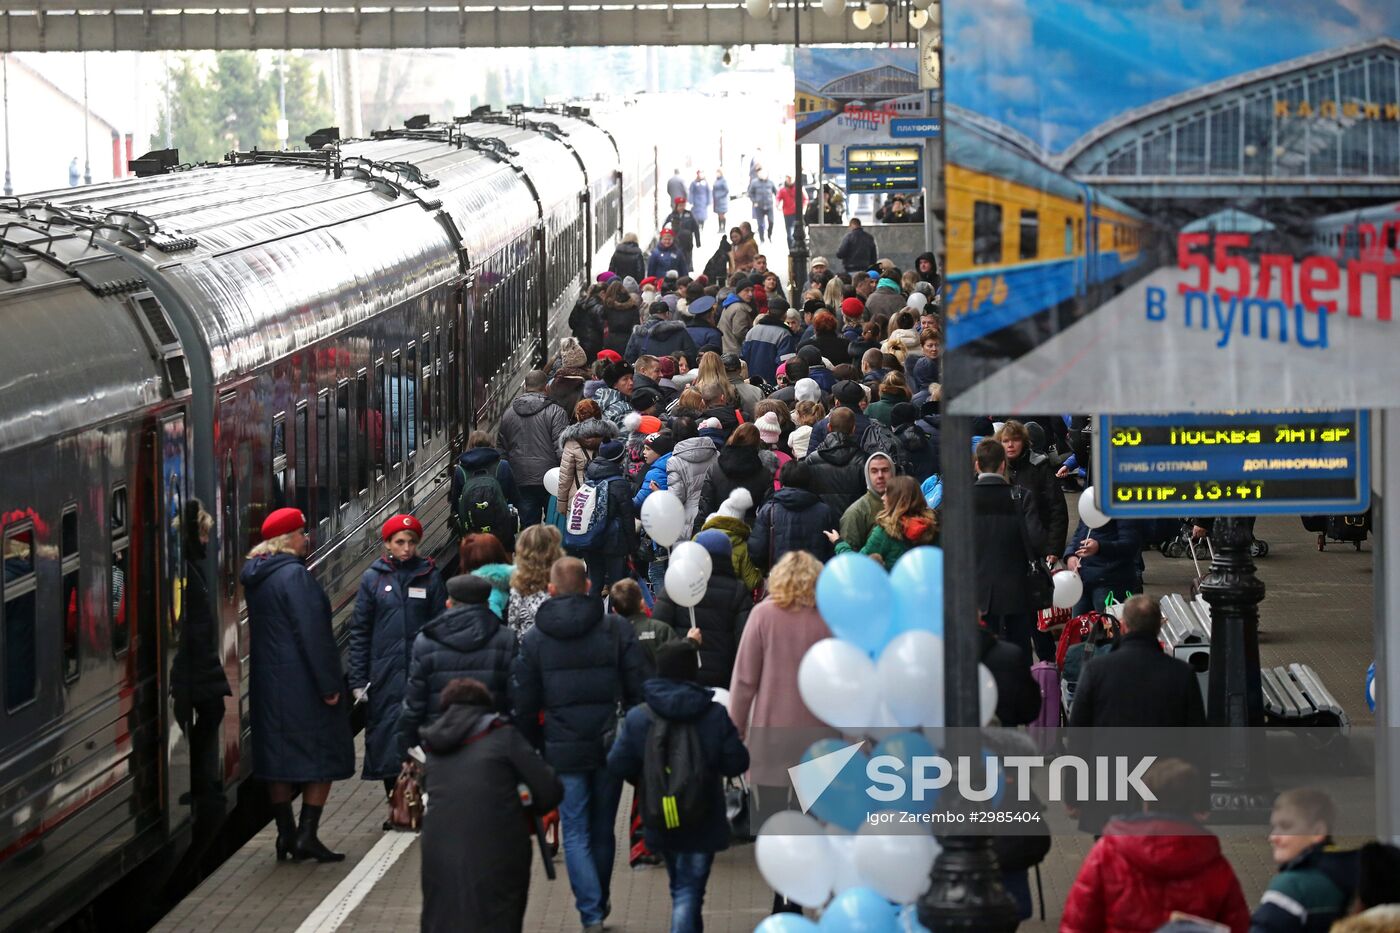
x,y
1199,212
857,96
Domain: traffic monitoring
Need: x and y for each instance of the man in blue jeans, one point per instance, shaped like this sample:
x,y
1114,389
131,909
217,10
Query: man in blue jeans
x,y
577,667
675,698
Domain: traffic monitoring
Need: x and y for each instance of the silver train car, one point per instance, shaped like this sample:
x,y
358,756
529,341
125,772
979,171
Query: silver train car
x,y
313,328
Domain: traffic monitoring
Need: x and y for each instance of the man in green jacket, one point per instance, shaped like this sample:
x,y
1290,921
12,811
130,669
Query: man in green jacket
x,y
859,519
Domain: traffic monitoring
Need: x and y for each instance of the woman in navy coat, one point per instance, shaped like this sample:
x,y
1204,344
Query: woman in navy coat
x,y
297,699
399,594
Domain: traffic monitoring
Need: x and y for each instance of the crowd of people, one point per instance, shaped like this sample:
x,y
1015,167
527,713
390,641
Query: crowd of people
x,y
556,660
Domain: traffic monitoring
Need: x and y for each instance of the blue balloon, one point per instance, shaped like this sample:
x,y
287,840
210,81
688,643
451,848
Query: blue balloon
x,y
909,920
917,581
786,923
1371,687
906,746
844,803
853,595
859,910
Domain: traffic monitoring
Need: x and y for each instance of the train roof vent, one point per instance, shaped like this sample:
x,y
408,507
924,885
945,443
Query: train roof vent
x,y
164,342
11,267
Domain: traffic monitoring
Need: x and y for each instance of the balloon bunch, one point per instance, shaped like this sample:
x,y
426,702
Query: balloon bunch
x,y
689,566
882,670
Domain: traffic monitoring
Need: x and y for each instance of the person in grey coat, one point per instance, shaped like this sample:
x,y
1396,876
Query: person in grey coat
x,y
528,429
720,192
675,185
762,191
297,697
686,471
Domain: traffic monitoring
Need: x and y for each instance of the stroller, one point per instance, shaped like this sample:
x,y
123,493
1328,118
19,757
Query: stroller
x,y
1183,545
1092,633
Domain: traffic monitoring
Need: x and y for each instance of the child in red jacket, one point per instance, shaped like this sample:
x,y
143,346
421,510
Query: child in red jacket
x,y
1149,865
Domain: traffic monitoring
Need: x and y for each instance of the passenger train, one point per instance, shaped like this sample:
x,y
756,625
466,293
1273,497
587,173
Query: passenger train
x,y
309,328
1029,249
1361,233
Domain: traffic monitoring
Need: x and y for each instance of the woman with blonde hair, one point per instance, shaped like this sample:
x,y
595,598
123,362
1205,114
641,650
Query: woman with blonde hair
x,y
835,293
712,372
905,522
296,690
536,550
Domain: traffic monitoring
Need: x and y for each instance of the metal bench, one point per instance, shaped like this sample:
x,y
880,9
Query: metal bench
x,y
1295,696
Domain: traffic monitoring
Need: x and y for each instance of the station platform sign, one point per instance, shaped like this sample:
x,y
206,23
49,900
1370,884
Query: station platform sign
x,y
1237,463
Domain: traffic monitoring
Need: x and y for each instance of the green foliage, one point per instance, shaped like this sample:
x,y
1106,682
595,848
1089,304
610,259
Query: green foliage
x,y
234,106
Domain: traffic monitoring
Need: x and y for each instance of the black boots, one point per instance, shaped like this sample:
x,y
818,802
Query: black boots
x,y
286,832
307,844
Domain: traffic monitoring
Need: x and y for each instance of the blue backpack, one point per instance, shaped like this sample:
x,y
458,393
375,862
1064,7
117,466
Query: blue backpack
x,y
586,519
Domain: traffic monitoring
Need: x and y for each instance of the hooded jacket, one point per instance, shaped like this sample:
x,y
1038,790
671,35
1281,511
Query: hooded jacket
x,y
690,463
661,337
294,663
764,344
932,277
487,459
792,520
574,457
886,301
528,429
464,641
859,518
627,260
737,531
720,615
394,602
1147,866
919,443
735,467
620,320
838,471
566,388
915,530
575,666
724,756
586,323
621,534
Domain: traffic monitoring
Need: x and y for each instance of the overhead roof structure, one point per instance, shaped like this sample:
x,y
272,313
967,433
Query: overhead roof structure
x,y
158,25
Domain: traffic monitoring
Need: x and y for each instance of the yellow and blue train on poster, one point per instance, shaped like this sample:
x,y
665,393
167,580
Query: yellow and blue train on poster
x,y
1028,248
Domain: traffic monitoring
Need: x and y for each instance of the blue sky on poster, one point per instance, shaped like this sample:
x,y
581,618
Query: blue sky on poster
x,y
1054,69
817,66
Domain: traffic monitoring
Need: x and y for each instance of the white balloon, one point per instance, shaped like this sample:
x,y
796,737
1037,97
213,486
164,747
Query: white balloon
x,y
833,7
878,12
918,19
688,552
686,583
1089,512
758,8
894,863
662,517
987,694
837,682
922,4
861,19
842,846
910,678
720,696
997,426
1068,589
551,481
794,858
916,301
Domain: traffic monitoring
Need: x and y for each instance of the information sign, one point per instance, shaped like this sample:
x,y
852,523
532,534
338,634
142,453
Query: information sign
x,y
883,168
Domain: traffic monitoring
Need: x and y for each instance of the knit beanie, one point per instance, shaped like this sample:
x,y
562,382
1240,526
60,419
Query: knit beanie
x,y
807,390
737,504
852,307
716,542
571,354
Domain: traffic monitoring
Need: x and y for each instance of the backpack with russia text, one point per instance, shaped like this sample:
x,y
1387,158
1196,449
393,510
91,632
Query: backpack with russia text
x,y
586,520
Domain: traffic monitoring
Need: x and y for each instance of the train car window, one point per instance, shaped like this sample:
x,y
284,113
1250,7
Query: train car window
x,y
228,531
410,409
376,422
342,457
453,390
1030,234
323,456
440,400
1069,237
393,400
426,412
364,416
121,635
21,668
303,465
72,594
986,233
279,460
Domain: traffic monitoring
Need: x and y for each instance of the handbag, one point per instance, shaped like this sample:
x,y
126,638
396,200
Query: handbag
x,y
406,800
737,809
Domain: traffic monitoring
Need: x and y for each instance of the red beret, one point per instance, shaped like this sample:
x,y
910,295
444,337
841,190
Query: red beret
x,y
678,199
612,356
853,307
282,522
401,523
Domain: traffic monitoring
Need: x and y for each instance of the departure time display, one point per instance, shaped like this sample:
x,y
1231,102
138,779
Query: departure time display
x,y
1240,463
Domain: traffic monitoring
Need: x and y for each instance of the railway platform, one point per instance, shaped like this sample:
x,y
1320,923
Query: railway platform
x,y
1318,610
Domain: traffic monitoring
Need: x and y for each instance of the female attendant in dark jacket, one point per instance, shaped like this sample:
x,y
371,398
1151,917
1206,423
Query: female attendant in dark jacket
x,y
792,520
741,462
827,338
467,640
297,697
197,676
621,315
476,851
1035,474
720,615
399,594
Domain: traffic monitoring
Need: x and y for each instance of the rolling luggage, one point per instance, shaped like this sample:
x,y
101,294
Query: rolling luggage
x,y
1346,528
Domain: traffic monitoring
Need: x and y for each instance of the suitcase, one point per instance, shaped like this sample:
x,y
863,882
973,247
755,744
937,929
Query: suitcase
x,y
1047,678
1346,528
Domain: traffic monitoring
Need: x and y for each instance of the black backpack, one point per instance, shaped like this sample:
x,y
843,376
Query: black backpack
x,y
481,507
675,779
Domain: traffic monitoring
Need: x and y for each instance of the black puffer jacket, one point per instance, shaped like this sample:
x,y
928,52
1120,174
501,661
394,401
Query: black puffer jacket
x,y
586,323
838,471
792,520
736,466
1035,474
620,319
627,260
463,641
931,277
575,666
720,616
832,345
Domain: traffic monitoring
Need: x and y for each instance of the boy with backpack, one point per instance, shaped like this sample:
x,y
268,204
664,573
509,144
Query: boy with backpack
x,y
600,520
485,499
676,749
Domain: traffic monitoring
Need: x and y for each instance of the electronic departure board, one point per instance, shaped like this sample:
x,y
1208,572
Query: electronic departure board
x,y
1240,463
884,168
